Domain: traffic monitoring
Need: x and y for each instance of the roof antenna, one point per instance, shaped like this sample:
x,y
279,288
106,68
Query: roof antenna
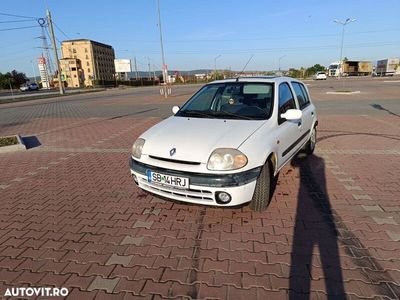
x,y
241,72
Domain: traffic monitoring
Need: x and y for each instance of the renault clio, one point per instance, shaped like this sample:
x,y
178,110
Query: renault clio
x,y
227,143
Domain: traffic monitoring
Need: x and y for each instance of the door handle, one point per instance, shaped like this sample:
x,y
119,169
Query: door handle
x,y
312,113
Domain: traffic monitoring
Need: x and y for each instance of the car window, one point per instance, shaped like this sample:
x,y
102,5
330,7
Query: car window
x,y
206,95
286,100
307,97
301,94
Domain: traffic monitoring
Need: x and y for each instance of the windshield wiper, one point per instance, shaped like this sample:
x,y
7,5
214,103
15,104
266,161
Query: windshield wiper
x,y
234,115
187,113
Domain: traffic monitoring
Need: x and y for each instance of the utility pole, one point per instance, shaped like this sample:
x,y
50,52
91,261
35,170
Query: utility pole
x,y
53,40
343,23
164,67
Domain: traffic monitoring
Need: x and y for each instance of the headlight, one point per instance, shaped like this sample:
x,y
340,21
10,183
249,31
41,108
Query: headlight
x,y
137,148
225,159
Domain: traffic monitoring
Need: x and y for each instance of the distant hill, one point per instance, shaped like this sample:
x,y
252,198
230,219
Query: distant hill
x,y
32,79
170,72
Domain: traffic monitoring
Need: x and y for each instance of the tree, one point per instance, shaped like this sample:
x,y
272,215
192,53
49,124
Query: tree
x,y
314,69
5,80
15,78
19,78
295,73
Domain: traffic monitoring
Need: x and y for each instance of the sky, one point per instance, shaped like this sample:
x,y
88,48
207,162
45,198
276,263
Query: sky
x,y
301,33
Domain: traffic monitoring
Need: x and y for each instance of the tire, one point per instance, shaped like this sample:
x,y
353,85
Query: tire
x,y
262,194
310,146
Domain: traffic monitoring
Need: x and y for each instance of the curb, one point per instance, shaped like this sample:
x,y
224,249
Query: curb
x,y
343,93
13,148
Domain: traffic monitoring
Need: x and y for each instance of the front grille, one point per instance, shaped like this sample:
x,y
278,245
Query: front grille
x,y
175,161
201,179
170,191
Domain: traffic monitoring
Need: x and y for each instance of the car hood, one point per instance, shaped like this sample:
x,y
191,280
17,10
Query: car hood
x,y
195,138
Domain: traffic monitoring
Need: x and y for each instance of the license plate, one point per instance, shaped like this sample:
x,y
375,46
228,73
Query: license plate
x,y
167,180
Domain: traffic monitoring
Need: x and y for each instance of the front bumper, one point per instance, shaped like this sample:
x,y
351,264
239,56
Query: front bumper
x,y
202,187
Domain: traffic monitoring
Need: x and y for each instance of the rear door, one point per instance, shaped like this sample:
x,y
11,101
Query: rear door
x,y
305,106
288,132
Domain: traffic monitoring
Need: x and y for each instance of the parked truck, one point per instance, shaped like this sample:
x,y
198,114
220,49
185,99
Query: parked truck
x,y
334,69
350,68
388,67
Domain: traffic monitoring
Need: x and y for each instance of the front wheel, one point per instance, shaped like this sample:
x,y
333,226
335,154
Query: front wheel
x,y
261,196
310,146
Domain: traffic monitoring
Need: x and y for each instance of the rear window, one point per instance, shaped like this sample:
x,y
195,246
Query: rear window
x,y
257,89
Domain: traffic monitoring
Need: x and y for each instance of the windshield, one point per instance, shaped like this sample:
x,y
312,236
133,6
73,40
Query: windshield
x,y
233,100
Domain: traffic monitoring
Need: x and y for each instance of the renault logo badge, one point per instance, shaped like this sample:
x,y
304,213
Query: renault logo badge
x,y
172,152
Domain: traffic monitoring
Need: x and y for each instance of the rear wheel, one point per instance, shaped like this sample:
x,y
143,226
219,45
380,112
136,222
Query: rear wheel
x,y
310,146
262,196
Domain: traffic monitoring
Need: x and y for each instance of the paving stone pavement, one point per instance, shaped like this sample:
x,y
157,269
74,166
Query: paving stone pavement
x,y
70,216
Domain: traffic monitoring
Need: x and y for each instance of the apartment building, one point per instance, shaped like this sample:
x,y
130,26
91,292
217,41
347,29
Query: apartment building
x,y
71,72
96,59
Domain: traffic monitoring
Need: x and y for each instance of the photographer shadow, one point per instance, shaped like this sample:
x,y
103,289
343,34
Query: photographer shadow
x,y
314,228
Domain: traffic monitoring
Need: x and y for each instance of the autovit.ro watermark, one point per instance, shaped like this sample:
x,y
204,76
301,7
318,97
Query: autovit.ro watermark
x,y
36,292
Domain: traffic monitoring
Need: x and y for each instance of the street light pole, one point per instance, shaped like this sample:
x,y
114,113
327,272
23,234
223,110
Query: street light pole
x,y
164,67
148,64
136,71
215,65
343,23
154,73
34,73
11,89
280,62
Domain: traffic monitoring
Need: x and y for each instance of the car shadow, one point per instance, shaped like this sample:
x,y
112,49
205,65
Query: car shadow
x,y
31,142
314,227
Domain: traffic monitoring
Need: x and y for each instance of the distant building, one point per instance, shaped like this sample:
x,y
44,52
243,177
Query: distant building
x,y
200,76
71,72
96,59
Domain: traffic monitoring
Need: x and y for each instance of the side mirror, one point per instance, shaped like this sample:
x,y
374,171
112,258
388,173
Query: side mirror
x,y
292,114
175,109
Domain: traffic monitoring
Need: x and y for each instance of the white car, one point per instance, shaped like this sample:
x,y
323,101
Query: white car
x,y
320,76
227,143
24,88
29,87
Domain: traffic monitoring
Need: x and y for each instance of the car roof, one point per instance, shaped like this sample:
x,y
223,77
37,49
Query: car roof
x,y
268,79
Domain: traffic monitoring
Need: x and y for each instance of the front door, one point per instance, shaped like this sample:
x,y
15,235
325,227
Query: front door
x,y
288,132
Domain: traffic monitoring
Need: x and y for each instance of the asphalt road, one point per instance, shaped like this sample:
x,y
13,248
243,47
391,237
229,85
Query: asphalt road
x,y
377,96
34,94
